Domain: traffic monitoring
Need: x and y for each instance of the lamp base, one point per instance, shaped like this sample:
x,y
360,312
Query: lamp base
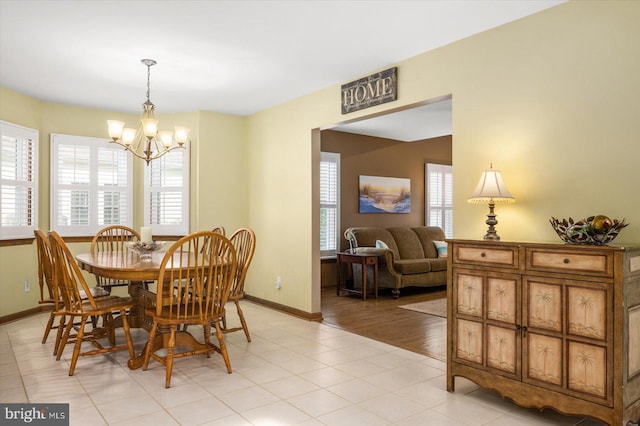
x,y
491,234
491,237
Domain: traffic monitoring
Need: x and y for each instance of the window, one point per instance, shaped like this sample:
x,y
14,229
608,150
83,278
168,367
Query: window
x,y
18,181
166,194
439,197
91,185
329,202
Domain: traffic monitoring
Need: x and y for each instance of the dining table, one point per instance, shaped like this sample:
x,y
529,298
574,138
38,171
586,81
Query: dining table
x,y
129,266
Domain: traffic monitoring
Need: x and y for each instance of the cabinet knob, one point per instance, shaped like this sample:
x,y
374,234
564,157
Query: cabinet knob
x,y
566,261
483,254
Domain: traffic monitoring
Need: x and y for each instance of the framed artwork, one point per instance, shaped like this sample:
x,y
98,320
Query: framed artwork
x,y
379,194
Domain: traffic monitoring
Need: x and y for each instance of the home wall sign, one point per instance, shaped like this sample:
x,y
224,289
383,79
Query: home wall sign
x,y
366,92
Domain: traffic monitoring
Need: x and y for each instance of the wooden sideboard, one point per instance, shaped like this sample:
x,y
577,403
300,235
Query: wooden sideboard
x,y
547,325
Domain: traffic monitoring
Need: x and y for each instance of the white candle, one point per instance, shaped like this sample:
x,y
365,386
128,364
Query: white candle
x,y
145,234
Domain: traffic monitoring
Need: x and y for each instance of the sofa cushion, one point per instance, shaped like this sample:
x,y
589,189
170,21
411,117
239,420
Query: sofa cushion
x,y
441,248
412,266
438,265
409,246
427,235
381,244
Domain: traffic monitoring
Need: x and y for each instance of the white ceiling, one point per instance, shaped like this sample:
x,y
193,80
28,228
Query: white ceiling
x,y
423,122
235,57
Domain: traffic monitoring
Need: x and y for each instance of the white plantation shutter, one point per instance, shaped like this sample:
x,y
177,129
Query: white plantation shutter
x,y
91,185
439,197
166,194
329,202
18,181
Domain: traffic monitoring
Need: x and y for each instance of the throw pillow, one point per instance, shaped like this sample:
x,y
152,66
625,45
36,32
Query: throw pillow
x,y
381,244
441,247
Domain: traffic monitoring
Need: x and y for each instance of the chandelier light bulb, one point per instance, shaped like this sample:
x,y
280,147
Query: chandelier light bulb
x,y
166,136
115,129
150,127
182,133
128,135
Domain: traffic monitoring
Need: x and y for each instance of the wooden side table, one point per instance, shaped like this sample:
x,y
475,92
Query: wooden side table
x,y
363,259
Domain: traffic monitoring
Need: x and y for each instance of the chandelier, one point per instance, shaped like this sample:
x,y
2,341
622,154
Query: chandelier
x,y
147,142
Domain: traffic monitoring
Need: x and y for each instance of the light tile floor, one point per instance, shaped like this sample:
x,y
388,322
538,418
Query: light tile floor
x,y
294,372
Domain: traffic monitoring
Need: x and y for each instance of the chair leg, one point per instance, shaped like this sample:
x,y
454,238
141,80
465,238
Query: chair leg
x,y
147,349
206,327
127,334
224,320
107,323
49,327
242,321
61,327
169,359
64,337
223,346
78,346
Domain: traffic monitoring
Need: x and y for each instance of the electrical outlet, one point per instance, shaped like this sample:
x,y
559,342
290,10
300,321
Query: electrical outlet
x,y
278,282
27,286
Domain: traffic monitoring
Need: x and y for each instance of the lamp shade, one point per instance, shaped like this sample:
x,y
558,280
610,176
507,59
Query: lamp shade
x,y
491,188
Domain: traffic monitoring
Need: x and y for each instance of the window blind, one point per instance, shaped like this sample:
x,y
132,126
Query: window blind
x,y
167,194
91,185
18,181
329,202
439,197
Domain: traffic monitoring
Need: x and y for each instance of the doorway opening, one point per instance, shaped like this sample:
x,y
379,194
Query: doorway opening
x,y
374,145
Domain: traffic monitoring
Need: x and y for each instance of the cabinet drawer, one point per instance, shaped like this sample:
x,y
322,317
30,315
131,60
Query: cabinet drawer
x,y
596,263
502,256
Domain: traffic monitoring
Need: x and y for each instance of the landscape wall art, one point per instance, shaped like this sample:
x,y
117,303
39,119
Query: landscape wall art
x,y
380,194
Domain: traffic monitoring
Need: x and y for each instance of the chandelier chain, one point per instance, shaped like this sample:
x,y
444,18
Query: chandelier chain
x,y
148,81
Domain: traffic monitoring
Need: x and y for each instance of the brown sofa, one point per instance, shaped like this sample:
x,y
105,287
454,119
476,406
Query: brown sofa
x,y
411,258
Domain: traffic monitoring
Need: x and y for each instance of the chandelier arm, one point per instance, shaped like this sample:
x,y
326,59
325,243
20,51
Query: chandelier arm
x,y
148,158
128,148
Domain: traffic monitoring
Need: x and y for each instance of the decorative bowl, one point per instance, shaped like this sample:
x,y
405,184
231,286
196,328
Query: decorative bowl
x,y
144,250
595,230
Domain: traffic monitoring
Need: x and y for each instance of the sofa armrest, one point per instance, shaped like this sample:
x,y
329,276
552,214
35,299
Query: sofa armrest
x,y
371,250
389,258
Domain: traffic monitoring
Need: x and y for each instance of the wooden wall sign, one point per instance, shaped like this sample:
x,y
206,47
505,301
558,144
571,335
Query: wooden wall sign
x,y
366,92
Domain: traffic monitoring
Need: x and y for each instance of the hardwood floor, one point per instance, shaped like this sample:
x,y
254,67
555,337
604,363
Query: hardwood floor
x,y
382,320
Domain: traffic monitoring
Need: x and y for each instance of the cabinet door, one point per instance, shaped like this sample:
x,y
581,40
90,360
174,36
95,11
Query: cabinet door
x,y
485,320
567,344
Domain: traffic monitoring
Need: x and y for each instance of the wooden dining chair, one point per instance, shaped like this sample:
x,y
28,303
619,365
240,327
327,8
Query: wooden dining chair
x,y
46,281
194,282
218,230
112,238
244,241
70,282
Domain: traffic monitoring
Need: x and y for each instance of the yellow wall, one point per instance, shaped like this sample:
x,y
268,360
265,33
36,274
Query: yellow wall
x,y
219,192
551,100
222,136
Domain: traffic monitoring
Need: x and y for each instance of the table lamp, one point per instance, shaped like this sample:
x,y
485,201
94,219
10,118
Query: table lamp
x,y
491,190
